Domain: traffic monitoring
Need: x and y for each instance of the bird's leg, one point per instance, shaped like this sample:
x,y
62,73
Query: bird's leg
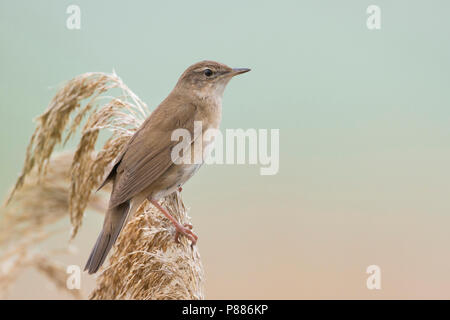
x,y
180,229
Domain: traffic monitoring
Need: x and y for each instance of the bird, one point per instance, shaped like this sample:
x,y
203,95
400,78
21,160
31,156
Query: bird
x,y
145,170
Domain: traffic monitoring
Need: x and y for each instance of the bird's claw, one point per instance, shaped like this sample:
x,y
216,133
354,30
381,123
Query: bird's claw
x,y
186,231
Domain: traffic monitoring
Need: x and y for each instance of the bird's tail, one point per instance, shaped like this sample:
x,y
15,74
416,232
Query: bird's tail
x,y
114,221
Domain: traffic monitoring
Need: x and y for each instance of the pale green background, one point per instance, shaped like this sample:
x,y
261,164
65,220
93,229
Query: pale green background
x,y
364,132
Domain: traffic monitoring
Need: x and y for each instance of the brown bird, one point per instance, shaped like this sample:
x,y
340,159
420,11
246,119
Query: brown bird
x,y
145,168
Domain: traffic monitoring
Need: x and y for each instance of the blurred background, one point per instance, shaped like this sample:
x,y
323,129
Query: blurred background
x,y
364,133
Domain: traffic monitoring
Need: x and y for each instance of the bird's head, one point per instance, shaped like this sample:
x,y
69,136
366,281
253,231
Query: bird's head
x,y
207,79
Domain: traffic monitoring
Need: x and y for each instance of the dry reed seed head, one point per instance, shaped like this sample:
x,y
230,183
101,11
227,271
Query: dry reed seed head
x,y
52,123
88,168
32,217
38,205
20,257
35,207
147,263
122,115
55,272
86,176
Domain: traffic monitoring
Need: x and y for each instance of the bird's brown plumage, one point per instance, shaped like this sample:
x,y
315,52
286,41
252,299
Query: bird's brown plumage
x,y
145,168
145,160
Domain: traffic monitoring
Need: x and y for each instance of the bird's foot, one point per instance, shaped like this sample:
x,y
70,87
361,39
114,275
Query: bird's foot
x,y
185,230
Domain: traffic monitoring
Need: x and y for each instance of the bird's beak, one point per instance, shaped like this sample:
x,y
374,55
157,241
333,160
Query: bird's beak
x,y
236,71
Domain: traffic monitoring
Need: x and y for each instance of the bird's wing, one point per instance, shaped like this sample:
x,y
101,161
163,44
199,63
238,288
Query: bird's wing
x,y
148,154
112,171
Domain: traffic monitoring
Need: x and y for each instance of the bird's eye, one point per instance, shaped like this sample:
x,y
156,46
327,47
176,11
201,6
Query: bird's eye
x,y
208,72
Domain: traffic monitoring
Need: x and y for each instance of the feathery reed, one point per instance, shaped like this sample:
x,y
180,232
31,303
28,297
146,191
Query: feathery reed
x,y
33,216
148,264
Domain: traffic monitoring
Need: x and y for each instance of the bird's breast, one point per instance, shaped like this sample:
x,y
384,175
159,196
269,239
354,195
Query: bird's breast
x,y
174,178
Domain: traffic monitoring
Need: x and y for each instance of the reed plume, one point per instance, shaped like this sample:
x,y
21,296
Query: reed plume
x,y
148,264
34,215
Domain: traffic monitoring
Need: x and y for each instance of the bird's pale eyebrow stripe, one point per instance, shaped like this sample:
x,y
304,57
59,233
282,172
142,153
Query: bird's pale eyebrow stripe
x,y
205,68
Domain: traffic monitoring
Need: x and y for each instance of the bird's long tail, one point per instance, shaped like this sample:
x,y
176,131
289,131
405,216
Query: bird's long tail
x,y
114,221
